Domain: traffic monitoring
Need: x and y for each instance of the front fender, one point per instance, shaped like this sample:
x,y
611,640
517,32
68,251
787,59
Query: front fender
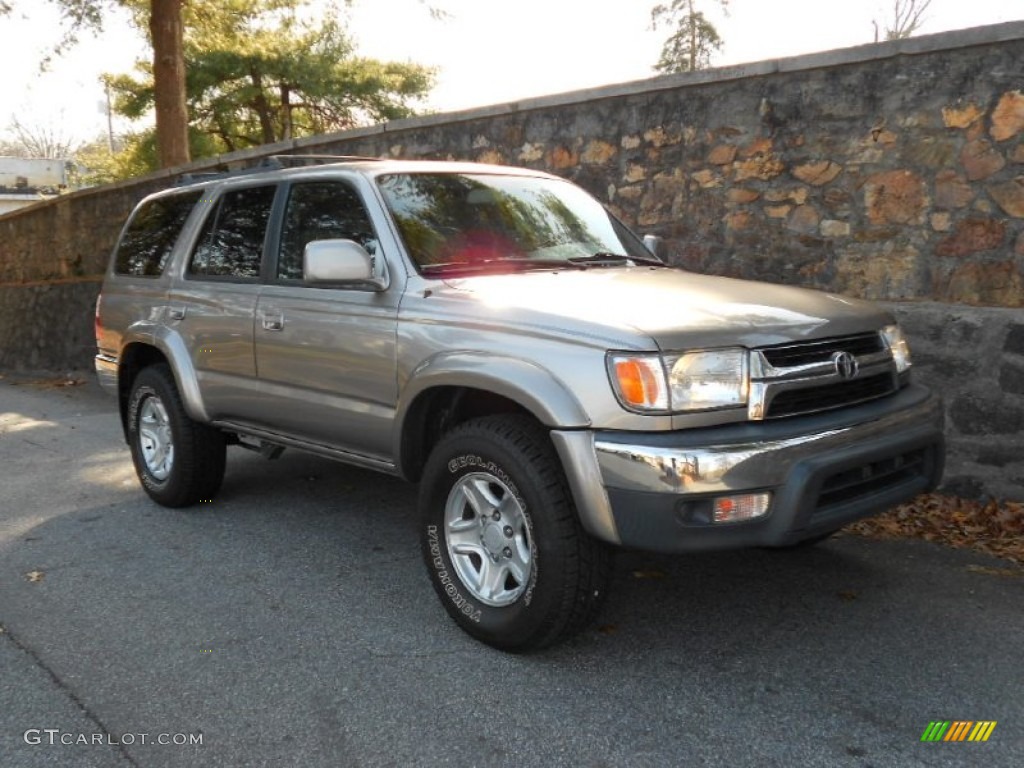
x,y
534,388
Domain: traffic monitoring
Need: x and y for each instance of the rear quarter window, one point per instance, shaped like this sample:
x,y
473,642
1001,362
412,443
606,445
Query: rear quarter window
x,y
151,233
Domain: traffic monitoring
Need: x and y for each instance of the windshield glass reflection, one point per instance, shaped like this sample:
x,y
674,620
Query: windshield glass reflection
x,y
467,222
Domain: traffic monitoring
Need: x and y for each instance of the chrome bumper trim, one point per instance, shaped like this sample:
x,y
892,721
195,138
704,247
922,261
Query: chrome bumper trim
x,y
739,466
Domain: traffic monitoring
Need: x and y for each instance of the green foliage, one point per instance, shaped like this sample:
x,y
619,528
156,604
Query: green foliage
x,y
693,40
135,155
257,72
98,165
85,14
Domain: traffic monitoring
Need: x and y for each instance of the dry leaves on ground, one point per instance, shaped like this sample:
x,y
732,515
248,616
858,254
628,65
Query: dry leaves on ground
x,y
58,382
993,527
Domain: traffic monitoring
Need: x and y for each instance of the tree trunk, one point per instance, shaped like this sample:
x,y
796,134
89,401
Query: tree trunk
x,y
167,31
262,107
286,112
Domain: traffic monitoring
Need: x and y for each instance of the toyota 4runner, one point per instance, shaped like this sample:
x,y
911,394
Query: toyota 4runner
x,y
498,336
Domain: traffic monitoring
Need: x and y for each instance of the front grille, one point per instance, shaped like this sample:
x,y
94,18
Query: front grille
x,y
805,353
823,397
852,484
805,377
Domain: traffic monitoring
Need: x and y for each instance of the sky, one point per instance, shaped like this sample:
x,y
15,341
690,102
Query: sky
x,y
485,51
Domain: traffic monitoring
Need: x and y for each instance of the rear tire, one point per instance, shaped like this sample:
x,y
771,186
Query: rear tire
x,y
178,461
502,540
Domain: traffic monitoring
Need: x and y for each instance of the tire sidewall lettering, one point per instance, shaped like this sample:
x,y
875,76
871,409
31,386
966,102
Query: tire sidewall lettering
x,y
458,466
466,605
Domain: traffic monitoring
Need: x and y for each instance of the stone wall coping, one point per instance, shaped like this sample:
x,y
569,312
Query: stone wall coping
x,y
962,38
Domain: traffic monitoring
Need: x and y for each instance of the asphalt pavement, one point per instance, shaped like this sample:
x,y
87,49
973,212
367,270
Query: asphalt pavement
x,y
291,623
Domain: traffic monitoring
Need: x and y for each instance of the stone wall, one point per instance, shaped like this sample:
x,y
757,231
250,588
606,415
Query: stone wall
x,y
48,325
974,356
891,171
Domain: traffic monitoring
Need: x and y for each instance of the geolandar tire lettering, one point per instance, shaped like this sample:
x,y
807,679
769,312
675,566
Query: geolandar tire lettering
x,y
178,461
501,538
450,590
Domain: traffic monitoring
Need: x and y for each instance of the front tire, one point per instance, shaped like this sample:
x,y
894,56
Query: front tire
x,y
502,540
178,461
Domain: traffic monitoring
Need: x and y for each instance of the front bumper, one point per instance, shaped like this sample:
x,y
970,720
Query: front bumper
x,y
655,490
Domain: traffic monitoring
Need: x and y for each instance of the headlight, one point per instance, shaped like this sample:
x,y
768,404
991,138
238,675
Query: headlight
x,y
700,381
692,381
897,343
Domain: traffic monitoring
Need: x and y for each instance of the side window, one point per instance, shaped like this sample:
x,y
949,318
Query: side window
x,y
321,210
151,234
231,243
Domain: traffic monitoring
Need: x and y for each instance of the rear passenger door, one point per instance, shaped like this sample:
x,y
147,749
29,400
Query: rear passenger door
x,y
326,355
213,304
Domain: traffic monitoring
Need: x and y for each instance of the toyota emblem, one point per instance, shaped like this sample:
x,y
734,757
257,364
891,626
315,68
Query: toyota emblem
x,y
846,365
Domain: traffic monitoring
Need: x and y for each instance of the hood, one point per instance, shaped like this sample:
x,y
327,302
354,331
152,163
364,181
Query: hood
x,y
673,308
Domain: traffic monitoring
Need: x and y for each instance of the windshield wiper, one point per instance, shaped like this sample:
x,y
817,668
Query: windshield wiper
x,y
496,265
600,260
608,259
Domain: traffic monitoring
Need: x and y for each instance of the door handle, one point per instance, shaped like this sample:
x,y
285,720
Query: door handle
x,y
272,321
176,313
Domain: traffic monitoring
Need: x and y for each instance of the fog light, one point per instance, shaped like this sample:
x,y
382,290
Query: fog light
x,y
732,509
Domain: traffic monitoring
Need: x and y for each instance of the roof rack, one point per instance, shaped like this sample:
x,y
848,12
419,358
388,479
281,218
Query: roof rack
x,y
299,161
270,162
198,177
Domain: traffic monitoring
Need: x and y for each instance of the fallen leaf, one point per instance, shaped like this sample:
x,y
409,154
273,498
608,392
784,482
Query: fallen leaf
x,y
35,576
847,595
994,527
54,383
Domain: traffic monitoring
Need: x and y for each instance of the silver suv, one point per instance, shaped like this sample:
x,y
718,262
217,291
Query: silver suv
x,y
498,336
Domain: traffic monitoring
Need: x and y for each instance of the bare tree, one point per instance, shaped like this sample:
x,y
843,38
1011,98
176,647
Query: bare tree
x,y
907,18
43,141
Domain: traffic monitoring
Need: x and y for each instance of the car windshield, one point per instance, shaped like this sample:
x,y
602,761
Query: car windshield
x,y
472,222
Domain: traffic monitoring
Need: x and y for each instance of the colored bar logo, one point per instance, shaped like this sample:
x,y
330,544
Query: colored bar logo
x,y
958,730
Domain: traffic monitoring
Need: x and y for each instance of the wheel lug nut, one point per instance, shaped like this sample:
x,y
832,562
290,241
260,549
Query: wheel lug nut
x,y
508,531
507,552
496,515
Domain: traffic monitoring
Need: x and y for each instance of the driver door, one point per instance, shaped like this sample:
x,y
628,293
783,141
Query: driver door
x,y
325,356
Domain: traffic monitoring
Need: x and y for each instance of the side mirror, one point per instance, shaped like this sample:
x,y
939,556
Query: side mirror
x,y
342,263
654,244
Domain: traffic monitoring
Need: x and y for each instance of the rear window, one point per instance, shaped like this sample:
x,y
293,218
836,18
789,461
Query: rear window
x,y
151,234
